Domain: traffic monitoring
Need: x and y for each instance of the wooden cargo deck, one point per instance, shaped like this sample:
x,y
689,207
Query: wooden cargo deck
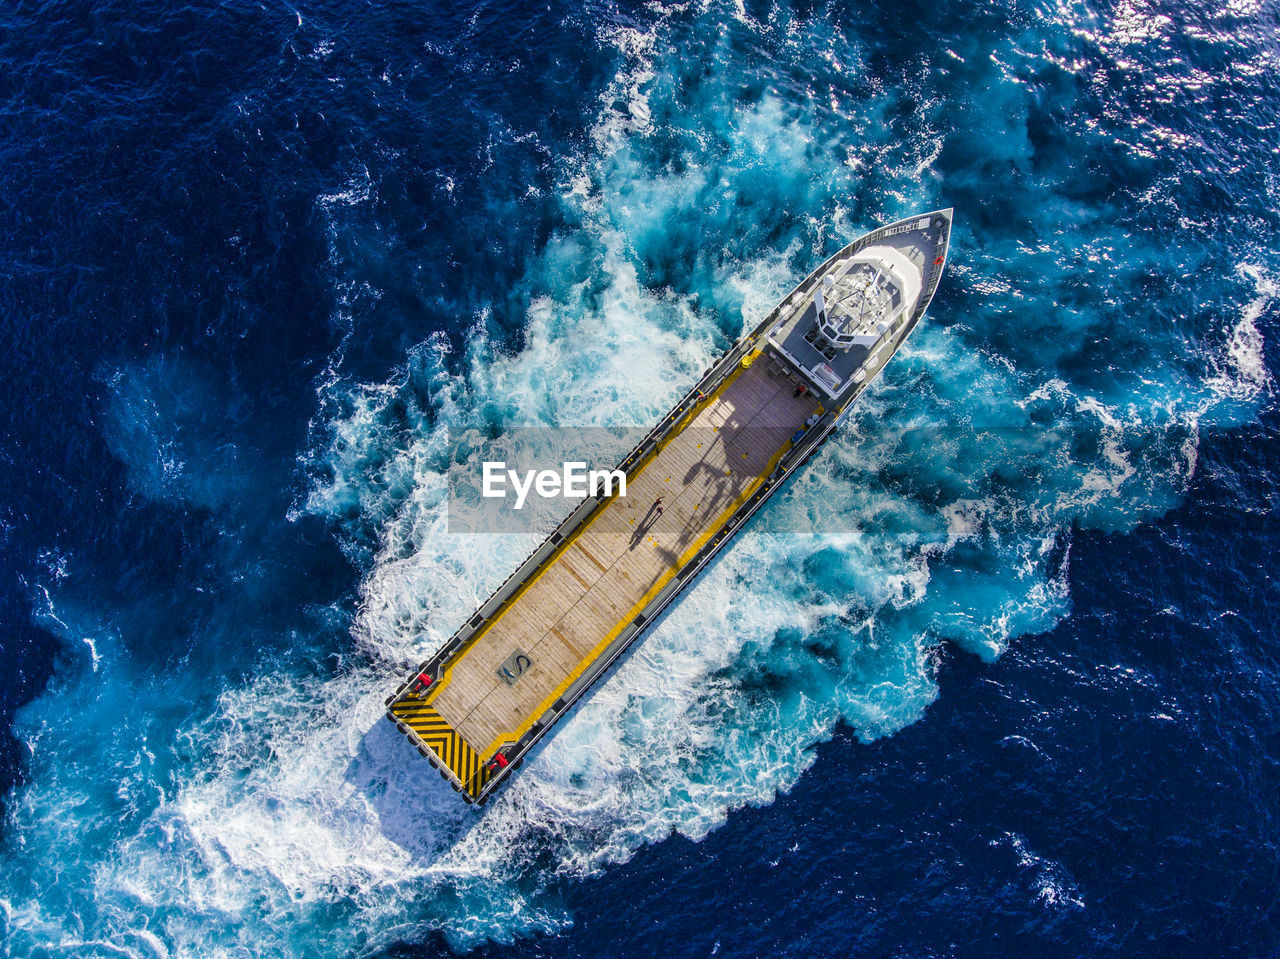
x,y
605,573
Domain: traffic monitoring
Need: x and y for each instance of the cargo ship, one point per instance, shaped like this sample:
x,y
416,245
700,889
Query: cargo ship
x,y
757,415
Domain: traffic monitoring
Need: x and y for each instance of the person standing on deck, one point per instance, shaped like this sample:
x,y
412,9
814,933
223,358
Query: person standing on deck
x,y
650,517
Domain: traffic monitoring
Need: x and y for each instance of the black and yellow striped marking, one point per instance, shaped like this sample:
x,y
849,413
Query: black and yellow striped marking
x,y
441,738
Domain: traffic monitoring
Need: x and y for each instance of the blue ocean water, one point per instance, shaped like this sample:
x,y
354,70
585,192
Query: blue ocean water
x,y
257,259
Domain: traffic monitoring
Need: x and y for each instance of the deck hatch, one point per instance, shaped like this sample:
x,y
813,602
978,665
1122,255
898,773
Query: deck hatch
x,y
514,666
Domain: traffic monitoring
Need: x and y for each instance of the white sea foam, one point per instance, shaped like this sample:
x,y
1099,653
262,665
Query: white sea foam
x,y
1240,372
1048,880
